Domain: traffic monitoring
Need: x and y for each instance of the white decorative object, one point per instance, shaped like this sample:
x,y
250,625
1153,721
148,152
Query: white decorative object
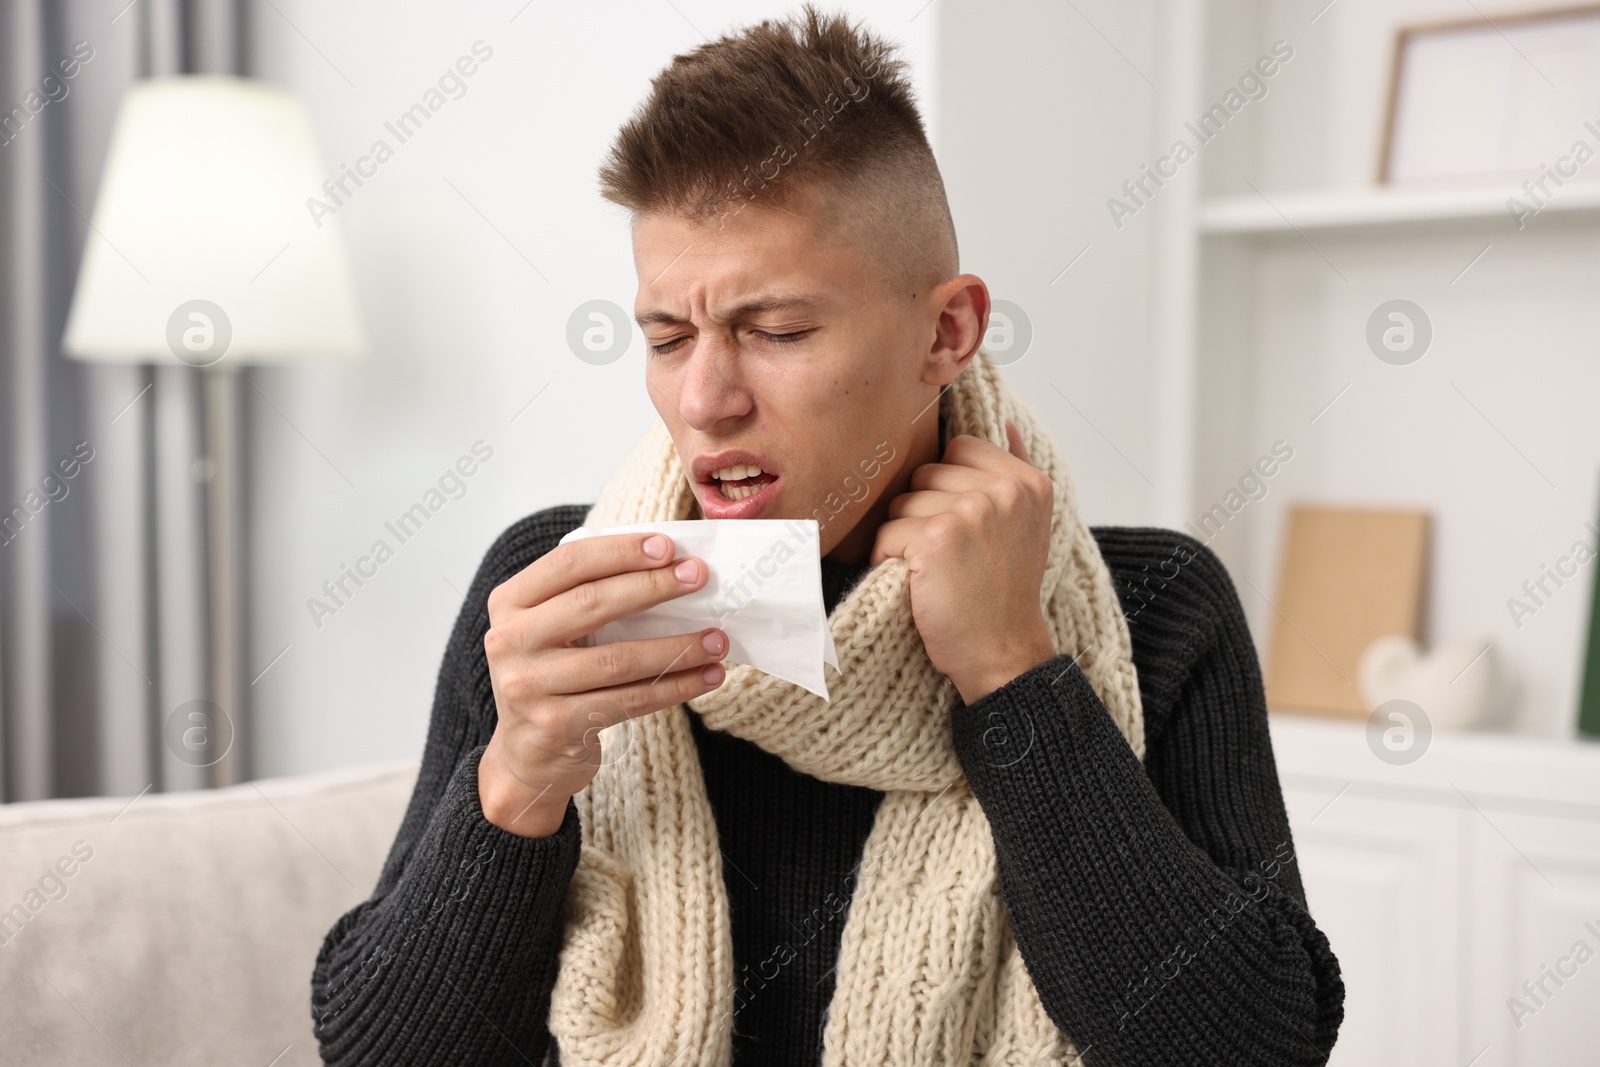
x,y
1453,684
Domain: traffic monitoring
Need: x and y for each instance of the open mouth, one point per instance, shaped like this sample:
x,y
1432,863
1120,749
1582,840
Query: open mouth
x,y
735,484
741,481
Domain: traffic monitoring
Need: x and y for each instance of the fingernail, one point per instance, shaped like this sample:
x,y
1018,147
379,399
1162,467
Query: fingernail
x,y
656,546
712,673
687,571
713,643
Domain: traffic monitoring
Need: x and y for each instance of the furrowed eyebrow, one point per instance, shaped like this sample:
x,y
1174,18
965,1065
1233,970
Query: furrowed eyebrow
x,y
747,310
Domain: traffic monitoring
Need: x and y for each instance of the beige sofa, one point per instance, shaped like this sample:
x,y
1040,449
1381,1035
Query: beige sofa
x,y
181,928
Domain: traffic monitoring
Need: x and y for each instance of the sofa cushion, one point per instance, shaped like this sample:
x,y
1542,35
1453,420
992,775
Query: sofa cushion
x,y
181,928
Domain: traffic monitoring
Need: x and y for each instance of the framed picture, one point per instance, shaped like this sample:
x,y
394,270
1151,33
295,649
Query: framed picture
x,y
1495,99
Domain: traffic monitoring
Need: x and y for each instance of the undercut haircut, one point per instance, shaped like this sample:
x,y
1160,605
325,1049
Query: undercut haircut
x,y
809,102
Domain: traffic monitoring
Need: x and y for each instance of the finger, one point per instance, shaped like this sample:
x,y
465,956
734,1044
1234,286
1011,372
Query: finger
x,y
584,560
578,670
953,478
1014,439
967,451
921,504
894,537
585,608
613,704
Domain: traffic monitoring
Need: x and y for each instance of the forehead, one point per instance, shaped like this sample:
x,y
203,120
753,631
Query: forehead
x,y
719,259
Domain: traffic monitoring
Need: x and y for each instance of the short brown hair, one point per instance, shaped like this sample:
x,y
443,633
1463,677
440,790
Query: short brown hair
x,y
811,99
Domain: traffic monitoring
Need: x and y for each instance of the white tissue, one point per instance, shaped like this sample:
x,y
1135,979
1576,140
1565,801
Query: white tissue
x,y
764,592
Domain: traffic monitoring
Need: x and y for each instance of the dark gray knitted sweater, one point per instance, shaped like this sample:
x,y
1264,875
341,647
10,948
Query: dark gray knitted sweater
x,y
1158,908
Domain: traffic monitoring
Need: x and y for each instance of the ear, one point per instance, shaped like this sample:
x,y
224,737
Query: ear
x,y
962,304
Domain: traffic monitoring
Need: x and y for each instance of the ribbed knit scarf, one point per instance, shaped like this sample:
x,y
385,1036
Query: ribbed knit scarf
x,y
928,970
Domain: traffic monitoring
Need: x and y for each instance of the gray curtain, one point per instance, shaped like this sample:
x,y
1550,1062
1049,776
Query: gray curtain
x,y
105,652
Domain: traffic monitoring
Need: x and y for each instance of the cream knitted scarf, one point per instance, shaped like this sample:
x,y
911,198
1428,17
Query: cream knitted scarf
x,y
928,970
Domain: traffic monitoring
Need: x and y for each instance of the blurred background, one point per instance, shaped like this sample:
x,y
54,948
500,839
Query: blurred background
x,y
1345,335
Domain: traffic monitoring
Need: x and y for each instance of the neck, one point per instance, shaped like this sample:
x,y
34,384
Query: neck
x,y
927,445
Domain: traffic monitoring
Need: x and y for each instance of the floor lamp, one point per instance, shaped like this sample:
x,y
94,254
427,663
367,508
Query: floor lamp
x,y
203,251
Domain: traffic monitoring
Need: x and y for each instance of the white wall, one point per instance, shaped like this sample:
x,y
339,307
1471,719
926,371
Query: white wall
x,y
1045,109
464,331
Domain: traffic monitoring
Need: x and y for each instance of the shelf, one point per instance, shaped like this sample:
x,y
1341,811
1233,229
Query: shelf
x,y
1495,769
1322,211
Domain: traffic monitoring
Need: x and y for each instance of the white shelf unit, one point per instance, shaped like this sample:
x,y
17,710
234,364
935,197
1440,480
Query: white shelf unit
x,y
1274,245
1443,884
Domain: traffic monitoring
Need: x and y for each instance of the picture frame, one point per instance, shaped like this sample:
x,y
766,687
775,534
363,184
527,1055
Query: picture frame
x,y
1492,99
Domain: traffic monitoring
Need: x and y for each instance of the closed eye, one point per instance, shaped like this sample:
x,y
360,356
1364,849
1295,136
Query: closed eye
x,y
781,338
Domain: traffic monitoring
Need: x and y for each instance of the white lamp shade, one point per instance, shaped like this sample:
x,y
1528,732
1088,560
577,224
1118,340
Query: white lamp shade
x,y
204,198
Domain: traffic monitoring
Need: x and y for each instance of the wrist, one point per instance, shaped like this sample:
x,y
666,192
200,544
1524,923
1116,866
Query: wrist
x,y
508,803
1011,662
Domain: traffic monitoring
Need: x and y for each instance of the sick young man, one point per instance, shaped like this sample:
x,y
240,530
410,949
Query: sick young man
x,y
1037,821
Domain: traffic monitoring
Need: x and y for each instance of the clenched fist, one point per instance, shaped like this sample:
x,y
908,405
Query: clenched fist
x,y
974,531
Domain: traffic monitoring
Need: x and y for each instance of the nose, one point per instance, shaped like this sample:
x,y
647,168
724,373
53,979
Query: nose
x,y
710,389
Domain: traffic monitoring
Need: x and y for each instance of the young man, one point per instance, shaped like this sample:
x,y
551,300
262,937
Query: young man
x,y
1039,821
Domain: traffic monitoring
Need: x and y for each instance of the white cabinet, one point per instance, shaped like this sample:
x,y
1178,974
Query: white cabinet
x,y
1381,880
1537,891
1446,884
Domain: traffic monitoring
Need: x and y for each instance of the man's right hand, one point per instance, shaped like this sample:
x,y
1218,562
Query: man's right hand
x,y
553,696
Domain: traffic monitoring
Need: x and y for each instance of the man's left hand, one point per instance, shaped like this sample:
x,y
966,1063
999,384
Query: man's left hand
x,y
974,531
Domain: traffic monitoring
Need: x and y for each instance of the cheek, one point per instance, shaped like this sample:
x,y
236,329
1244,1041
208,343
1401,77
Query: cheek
x,y
663,390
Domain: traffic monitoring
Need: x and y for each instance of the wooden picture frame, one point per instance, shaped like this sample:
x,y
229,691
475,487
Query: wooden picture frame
x,y
1490,27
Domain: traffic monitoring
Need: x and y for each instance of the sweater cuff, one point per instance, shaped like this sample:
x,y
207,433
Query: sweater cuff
x,y
1003,728
474,871
475,904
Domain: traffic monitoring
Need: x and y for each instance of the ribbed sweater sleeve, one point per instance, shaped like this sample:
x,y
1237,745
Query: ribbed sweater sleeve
x,y
1158,907
452,959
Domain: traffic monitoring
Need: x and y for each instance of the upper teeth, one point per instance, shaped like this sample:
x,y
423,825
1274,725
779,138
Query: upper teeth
x,y
733,474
